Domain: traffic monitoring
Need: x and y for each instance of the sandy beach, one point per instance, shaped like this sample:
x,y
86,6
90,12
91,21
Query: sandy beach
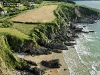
x,y
63,70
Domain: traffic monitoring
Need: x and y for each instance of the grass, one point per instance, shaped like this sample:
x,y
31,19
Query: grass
x,y
42,14
51,2
14,32
22,7
5,53
25,28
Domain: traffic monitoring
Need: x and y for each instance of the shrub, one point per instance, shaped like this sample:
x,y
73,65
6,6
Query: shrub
x,y
7,23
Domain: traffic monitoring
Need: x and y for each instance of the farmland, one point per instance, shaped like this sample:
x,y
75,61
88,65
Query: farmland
x,y
42,14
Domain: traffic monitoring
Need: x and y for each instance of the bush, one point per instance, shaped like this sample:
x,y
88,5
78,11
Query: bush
x,y
7,23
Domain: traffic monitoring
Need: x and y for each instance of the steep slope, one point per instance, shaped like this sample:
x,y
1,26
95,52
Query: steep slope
x,y
7,59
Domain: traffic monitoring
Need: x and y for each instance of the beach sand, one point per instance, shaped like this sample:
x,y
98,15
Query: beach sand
x,y
63,70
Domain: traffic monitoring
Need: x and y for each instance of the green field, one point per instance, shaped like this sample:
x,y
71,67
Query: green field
x,y
14,32
25,28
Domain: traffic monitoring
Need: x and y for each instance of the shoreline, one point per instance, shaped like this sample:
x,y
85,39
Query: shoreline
x,y
63,70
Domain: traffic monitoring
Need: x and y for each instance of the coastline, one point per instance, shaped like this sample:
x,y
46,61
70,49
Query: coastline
x,y
63,70
75,64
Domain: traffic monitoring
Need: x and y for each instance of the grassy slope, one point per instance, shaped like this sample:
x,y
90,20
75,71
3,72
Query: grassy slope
x,y
42,14
7,58
14,32
25,28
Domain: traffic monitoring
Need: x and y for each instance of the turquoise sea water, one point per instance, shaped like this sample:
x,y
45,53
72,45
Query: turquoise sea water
x,y
85,60
93,4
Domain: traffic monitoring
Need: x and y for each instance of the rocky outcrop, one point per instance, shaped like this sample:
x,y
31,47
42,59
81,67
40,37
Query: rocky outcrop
x,y
38,51
78,29
51,64
56,44
69,43
29,71
91,31
31,62
35,71
57,51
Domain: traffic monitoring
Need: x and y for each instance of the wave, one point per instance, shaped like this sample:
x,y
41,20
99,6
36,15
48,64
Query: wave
x,y
84,58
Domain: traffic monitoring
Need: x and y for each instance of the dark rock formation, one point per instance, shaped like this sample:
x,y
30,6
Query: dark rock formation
x,y
22,68
35,71
39,51
69,43
84,26
57,44
91,31
31,62
78,29
51,64
85,31
57,51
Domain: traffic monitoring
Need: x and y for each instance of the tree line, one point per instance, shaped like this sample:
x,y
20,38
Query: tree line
x,y
36,1
21,1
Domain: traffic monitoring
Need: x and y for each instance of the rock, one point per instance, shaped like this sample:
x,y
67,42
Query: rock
x,y
91,31
27,51
85,31
69,44
22,68
57,51
57,44
84,26
88,31
78,29
35,71
71,39
91,21
51,64
31,62
65,69
39,51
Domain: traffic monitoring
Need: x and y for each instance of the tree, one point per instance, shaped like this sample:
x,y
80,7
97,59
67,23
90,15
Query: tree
x,y
7,23
38,1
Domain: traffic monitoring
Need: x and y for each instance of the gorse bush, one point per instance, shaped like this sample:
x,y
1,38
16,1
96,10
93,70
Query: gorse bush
x,y
7,23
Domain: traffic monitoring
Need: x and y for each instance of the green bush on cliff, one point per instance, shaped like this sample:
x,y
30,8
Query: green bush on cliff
x,y
16,43
8,60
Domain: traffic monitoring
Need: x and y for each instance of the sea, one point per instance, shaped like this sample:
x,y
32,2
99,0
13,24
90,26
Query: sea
x,y
85,58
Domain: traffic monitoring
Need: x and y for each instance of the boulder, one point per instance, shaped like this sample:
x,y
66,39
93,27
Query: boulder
x,y
91,31
31,62
51,64
35,71
69,43
78,29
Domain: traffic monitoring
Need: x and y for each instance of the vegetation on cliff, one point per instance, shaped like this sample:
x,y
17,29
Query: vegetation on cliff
x,y
7,58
